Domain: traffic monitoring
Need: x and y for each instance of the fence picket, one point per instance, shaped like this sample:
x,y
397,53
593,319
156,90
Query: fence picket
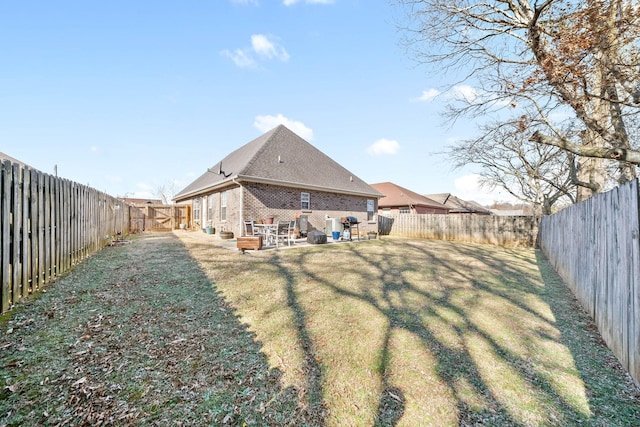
x,y
491,229
595,247
47,224
6,172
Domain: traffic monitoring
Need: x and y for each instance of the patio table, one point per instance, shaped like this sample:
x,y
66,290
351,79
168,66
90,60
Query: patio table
x,y
269,231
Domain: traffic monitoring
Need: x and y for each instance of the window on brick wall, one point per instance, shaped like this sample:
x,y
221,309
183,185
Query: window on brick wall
x,y
223,206
196,209
370,206
404,210
305,201
210,207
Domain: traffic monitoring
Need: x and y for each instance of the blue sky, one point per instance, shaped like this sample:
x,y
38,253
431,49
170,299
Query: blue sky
x,y
128,96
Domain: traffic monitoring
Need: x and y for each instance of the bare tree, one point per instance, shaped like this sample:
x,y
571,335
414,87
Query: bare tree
x,y
533,173
166,191
540,65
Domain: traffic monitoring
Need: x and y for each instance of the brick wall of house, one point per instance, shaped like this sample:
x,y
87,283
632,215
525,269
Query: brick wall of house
x,y
211,211
283,203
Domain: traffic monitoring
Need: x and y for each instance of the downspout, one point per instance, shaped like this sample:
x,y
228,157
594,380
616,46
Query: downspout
x,y
241,216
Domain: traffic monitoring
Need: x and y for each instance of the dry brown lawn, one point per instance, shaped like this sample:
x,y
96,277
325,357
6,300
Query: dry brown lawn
x,y
172,330
418,332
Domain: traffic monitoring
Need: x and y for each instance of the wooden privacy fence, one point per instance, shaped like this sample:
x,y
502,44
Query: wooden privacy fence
x,y
594,246
49,224
508,231
158,217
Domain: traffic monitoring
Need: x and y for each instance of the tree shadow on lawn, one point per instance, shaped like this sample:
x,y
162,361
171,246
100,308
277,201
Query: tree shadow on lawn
x,y
137,334
530,359
611,392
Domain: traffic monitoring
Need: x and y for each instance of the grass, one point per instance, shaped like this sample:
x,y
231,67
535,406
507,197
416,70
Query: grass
x,y
385,332
417,332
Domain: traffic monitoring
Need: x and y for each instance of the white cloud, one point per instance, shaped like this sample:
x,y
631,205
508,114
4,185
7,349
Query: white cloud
x,y
464,93
266,48
429,95
292,2
266,123
262,46
383,146
241,58
468,187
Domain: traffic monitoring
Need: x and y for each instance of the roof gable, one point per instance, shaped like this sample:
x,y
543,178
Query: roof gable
x,y
4,156
279,157
395,195
458,205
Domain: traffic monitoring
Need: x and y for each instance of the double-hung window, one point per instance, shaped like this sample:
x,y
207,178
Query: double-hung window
x,y
223,206
196,209
305,201
210,208
370,206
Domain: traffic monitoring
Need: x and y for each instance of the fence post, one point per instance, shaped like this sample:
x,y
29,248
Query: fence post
x,y
5,232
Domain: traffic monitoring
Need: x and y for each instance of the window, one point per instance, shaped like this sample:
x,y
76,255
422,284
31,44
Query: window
x,y
404,210
210,207
370,206
196,209
223,206
386,211
305,201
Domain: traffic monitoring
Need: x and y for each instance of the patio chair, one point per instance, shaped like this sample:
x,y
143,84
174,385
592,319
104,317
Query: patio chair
x,y
286,232
248,228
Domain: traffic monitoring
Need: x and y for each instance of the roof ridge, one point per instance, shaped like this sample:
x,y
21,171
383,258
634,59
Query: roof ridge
x,y
260,150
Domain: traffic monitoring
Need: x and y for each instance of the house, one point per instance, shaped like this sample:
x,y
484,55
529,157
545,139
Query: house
x,y
278,175
4,156
141,202
398,200
459,206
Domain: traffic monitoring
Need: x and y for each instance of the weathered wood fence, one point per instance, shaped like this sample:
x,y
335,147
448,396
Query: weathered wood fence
x,y
47,225
595,247
509,231
159,217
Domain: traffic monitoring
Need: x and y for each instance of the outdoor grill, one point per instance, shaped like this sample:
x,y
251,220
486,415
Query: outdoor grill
x,y
348,223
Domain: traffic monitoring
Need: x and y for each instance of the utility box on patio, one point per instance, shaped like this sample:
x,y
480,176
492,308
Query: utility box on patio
x,y
249,242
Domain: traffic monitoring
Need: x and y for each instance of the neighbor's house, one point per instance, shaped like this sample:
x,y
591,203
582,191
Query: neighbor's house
x,y
278,175
4,156
459,206
399,200
131,201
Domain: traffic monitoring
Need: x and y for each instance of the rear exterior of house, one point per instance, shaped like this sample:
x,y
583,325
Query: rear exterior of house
x,y
279,176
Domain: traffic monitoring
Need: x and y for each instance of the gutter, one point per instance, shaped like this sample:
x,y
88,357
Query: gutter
x,y
238,179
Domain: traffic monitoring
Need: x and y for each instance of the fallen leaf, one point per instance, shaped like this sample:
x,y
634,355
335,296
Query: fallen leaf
x,y
80,381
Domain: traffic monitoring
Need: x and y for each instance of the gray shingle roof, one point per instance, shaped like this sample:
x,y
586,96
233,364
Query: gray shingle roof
x,y
4,156
395,195
279,157
458,205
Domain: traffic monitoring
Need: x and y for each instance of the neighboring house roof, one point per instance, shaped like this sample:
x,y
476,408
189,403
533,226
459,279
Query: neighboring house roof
x,y
137,202
395,195
12,160
458,205
508,212
279,157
